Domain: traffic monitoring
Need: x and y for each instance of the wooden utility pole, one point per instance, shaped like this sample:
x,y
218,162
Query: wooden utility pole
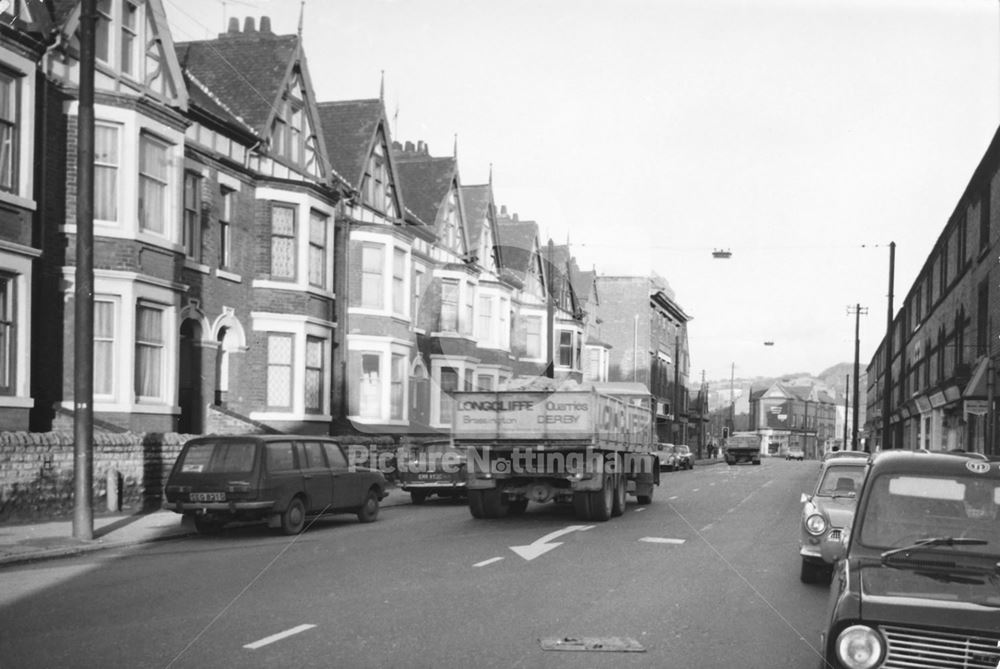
x,y
83,302
857,310
887,363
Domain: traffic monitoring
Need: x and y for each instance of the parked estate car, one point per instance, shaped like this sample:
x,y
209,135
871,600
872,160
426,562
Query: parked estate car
x,y
433,468
277,478
667,457
827,513
795,454
683,458
918,583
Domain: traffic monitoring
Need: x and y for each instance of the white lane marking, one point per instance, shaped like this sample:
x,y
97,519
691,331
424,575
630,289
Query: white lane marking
x,y
662,540
278,637
706,528
696,490
672,498
641,508
543,545
486,562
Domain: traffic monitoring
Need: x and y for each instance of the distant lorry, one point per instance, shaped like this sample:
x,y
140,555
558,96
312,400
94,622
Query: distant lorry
x,y
588,445
743,447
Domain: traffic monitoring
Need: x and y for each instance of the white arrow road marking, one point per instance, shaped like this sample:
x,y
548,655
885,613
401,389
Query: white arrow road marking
x,y
486,562
278,637
662,540
542,546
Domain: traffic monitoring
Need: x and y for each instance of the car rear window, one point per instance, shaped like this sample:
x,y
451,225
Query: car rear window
x,y
838,480
218,457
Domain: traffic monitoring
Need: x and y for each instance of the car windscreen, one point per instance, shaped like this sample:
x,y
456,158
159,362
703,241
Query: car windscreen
x,y
841,480
218,457
902,509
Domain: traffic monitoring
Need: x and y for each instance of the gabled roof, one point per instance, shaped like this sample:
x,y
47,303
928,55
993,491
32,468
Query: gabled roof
x,y
248,71
519,240
349,130
476,200
201,98
426,180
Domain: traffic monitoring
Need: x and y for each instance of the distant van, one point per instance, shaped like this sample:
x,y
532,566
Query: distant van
x,y
277,478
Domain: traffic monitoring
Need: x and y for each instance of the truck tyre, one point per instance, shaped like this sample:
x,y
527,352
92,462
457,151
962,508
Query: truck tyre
x,y
517,506
581,505
601,501
618,504
644,494
476,507
494,505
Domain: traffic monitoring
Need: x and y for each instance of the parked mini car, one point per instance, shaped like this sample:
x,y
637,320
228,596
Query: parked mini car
x,y
432,468
278,478
683,458
918,582
667,457
827,514
795,454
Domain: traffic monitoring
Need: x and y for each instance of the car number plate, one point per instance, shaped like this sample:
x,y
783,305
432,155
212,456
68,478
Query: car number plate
x,y
208,497
431,477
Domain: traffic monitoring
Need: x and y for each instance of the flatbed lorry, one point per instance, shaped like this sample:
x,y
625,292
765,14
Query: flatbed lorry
x,y
589,446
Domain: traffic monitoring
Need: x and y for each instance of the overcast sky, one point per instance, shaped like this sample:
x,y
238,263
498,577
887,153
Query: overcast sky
x,y
801,135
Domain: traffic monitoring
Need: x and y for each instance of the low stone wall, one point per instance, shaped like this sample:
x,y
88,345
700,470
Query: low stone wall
x,y
37,477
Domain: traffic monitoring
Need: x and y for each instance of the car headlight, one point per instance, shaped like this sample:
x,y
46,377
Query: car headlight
x,y
859,647
816,524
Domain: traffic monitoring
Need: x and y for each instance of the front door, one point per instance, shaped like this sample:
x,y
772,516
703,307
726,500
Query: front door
x,y
348,486
316,477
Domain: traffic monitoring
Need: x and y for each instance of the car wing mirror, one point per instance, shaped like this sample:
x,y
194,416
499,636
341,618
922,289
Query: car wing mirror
x,y
805,498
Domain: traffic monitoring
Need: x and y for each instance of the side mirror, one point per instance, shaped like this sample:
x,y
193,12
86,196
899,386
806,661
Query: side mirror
x,y
805,498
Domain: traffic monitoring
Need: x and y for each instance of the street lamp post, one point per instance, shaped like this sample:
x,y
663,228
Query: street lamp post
x,y
857,310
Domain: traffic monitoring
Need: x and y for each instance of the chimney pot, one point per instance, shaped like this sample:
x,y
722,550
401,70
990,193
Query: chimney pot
x,y
515,216
265,24
503,210
248,26
234,25
408,147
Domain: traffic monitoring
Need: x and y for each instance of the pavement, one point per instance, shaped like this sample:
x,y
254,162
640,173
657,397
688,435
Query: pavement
x,y
45,540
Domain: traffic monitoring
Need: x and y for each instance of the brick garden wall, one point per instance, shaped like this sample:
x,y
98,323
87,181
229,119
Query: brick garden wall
x,y
36,471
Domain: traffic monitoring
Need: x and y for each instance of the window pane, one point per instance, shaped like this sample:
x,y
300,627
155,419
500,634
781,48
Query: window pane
x,y
149,352
104,347
449,306
396,391
314,374
370,388
449,384
317,249
279,371
7,334
398,280
282,242
372,262
152,184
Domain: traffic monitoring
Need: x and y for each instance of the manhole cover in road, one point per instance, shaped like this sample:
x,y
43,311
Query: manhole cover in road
x,y
593,643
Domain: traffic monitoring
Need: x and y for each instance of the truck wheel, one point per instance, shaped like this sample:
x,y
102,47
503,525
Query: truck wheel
x,y
476,506
644,497
601,501
494,505
581,505
293,519
618,504
517,506
418,496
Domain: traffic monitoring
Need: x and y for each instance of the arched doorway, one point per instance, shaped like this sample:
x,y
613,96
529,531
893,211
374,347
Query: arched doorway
x,y
191,419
